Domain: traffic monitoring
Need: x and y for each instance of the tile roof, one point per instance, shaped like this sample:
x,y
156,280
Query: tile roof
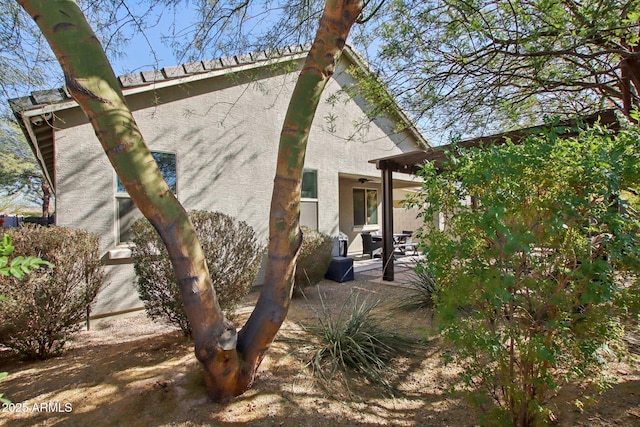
x,y
150,77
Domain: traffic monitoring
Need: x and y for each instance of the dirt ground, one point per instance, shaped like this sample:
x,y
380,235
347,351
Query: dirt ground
x,y
132,372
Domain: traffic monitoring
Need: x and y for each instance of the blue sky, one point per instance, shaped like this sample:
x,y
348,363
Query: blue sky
x,y
146,51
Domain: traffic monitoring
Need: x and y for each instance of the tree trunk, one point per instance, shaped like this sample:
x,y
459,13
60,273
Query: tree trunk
x,y
230,362
632,65
630,81
92,83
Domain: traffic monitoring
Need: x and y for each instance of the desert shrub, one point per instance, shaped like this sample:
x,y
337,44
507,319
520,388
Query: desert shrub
x,y
18,266
43,309
544,258
314,257
356,340
423,288
233,256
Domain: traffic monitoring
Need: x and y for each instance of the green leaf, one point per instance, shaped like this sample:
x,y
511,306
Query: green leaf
x,y
17,261
530,275
16,272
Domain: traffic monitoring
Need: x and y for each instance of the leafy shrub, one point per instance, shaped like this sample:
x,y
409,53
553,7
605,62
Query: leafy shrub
x,y
544,259
19,266
42,310
355,341
233,256
314,257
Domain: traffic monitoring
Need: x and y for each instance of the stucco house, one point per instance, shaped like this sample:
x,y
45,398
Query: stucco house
x,y
214,128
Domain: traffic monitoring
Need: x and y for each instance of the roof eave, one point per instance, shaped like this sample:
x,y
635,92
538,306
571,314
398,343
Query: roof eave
x,y
412,162
357,59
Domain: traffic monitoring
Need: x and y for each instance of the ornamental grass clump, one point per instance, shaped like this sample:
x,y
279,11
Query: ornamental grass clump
x,y
356,342
233,256
539,249
423,290
42,310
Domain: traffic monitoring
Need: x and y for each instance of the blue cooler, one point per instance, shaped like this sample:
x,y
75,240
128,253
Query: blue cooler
x,y
340,270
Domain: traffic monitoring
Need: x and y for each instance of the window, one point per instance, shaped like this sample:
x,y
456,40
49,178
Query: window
x,y
365,206
309,199
309,184
127,210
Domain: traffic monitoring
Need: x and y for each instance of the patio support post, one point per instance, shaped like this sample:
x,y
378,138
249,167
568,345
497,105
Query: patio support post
x,y
387,224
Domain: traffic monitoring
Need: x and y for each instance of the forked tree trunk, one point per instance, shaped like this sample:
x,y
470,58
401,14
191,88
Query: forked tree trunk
x,y
229,363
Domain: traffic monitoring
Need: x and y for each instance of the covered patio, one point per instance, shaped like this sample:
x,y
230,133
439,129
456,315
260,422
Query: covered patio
x,y
412,162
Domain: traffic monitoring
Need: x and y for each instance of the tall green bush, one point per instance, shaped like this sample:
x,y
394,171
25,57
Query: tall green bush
x,y
535,265
233,256
314,257
43,309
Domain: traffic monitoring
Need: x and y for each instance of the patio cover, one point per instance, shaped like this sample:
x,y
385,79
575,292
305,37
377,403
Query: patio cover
x,y
411,163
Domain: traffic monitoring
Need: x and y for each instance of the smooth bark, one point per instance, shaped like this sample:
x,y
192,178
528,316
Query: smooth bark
x,y
93,84
230,362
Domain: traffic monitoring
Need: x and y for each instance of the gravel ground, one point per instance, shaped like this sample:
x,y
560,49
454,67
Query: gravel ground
x,y
130,371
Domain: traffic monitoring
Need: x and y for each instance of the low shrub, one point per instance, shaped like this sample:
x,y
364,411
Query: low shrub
x,y
356,341
16,267
43,309
314,257
233,257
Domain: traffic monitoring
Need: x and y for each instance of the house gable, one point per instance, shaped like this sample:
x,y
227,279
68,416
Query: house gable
x,y
221,126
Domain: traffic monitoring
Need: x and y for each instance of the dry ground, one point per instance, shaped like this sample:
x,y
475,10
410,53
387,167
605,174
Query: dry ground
x,y
132,372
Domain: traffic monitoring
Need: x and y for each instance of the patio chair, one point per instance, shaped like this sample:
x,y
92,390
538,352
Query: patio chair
x,y
369,246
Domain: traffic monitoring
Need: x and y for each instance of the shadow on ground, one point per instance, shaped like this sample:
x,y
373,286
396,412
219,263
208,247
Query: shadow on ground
x,y
154,380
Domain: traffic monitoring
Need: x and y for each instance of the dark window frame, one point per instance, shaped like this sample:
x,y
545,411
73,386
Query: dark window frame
x,y
365,215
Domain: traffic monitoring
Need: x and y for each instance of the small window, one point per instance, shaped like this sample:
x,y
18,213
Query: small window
x,y
127,210
127,214
309,184
309,196
167,165
365,206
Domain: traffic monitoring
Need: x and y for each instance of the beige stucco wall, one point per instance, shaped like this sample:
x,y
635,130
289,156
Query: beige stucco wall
x,y
224,132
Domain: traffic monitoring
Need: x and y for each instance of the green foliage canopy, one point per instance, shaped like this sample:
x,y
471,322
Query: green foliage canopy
x,y
536,262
